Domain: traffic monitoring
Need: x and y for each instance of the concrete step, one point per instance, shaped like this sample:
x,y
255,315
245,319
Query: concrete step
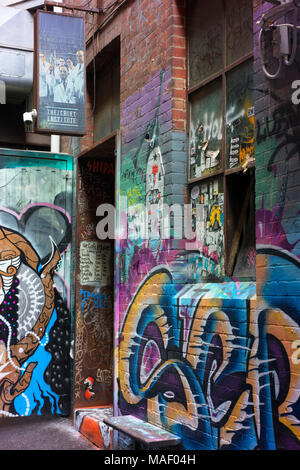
x,y
121,433
89,422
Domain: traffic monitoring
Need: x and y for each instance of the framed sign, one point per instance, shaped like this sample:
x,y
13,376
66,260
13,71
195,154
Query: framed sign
x,y
60,81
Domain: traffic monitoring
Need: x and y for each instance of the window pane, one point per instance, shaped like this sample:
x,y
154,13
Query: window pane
x,y
240,123
206,130
204,39
207,199
239,29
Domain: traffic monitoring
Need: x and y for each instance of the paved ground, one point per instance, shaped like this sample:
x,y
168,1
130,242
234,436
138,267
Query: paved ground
x,y
41,433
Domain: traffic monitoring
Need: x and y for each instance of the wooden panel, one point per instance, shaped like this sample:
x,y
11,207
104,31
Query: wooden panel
x,y
240,225
107,110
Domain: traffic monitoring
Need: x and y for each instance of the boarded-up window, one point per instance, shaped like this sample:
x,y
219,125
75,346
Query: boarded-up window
x,y
204,40
104,79
221,135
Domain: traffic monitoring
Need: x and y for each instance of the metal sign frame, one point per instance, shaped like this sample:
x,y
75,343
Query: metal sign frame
x,y
60,109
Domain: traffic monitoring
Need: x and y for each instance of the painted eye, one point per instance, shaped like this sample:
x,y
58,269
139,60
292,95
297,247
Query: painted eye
x,y
169,395
170,388
151,358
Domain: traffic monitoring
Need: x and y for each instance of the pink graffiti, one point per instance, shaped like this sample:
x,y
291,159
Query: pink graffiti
x,y
251,257
269,229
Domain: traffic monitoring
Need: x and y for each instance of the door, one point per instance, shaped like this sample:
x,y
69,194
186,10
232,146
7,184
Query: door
x,y
35,278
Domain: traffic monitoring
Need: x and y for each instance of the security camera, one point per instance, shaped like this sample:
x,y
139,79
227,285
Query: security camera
x,y
28,117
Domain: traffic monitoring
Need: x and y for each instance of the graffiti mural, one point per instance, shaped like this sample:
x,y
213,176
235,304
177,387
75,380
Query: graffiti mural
x,y
32,316
216,363
142,177
208,363
35,319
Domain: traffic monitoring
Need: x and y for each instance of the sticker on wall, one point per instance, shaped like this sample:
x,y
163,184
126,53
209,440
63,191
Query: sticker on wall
x,y
95,263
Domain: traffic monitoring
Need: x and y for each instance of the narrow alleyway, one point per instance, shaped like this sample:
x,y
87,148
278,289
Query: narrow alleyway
x,y
41,433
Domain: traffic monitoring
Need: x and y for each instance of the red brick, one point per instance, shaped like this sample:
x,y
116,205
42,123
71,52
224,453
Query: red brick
x,y
179,30
179,52
179,73
179,41
178,114
179,83
179,125
179,93
178,20
179,104
178,62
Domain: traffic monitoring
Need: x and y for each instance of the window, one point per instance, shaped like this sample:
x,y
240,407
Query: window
x,y
221,135
104,88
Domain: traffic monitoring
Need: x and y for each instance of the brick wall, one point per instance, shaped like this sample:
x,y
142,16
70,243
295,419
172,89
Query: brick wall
x,y
203,360
277,234
217,364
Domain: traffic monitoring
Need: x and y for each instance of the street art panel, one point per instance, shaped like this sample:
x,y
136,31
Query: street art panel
x,y
217,362
211,363
35,303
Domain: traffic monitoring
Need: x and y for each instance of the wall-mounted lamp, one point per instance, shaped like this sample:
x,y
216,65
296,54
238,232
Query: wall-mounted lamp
x,y
29,116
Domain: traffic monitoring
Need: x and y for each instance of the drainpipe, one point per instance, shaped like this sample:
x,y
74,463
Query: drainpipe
x,y
55,144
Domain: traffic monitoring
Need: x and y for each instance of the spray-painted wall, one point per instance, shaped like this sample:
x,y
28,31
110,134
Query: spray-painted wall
x,y
93,358
36,278
216,363
277,235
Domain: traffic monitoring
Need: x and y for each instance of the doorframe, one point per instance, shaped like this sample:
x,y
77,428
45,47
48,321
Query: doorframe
x,y
92,152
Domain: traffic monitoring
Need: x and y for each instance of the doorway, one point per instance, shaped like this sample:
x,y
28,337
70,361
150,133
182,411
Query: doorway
x,y
94,279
